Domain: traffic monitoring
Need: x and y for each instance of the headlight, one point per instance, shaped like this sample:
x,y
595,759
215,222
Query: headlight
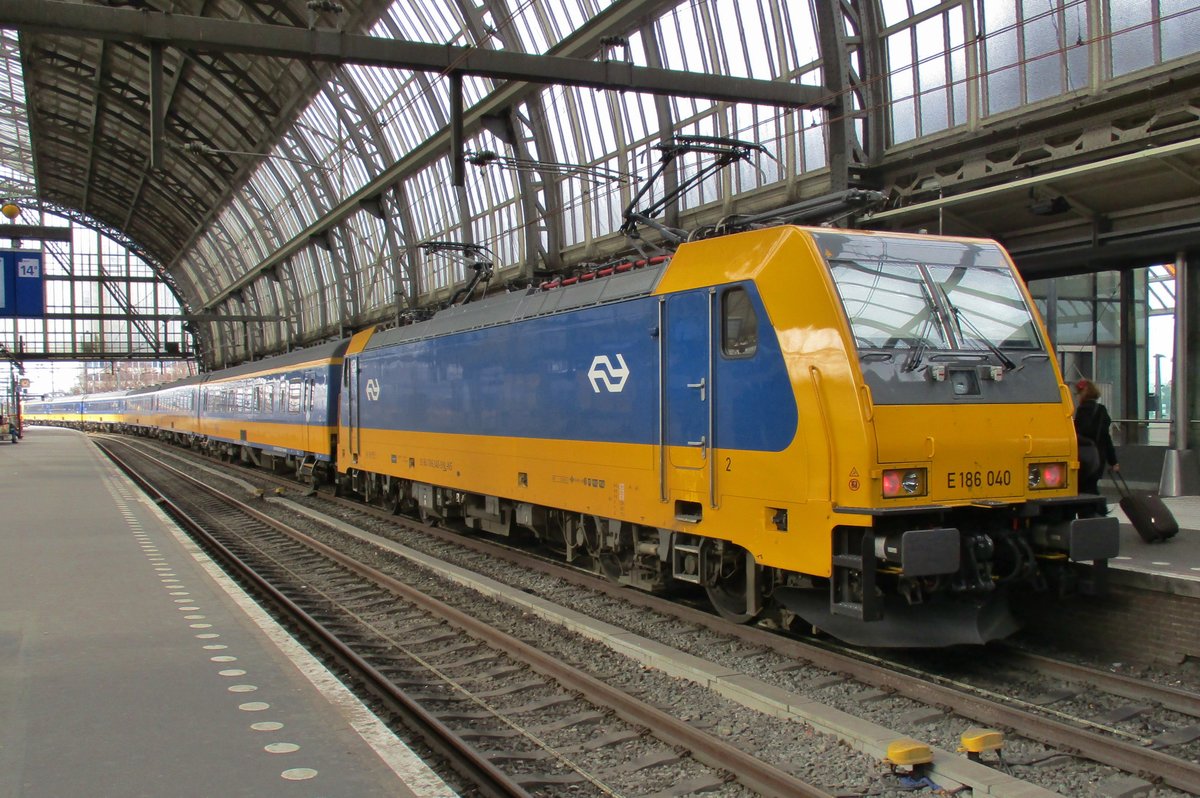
x,y
903,482
1047,476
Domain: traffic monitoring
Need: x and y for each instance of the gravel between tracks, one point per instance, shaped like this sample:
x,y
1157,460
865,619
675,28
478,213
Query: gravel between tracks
x,y
818,758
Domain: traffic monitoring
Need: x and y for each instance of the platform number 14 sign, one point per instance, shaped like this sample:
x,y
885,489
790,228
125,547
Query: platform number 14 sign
x,y
22,293
29,267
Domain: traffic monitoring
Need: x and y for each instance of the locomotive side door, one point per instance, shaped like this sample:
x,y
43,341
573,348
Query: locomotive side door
x,y
352,407
687,423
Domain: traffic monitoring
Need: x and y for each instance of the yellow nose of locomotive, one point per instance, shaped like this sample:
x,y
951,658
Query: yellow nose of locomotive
x,y
970,454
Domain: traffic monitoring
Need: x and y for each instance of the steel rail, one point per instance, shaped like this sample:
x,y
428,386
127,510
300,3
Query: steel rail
x,y
1167,697
747,769
466,760
1128,757
1125,756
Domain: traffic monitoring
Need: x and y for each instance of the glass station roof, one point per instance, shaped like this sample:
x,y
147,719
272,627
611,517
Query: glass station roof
x,y
297,193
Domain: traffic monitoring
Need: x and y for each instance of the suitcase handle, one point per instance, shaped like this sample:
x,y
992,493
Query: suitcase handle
x,y
1119,481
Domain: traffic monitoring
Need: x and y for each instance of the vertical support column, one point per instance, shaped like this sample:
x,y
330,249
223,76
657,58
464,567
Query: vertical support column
x,y
975,77
294,313
458,164
853,63
1181,372
666,127
457,161
1097,52
1129,361
406,263
246,345
1181,468
541,194
833,55
869,85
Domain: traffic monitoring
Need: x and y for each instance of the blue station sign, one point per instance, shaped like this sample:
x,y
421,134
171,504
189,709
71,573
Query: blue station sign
x,y
21,289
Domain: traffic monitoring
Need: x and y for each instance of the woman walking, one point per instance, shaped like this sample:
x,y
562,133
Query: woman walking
x,y
1092,424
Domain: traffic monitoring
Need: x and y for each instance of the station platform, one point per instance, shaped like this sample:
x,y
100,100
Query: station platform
x,y
1177,559
130,665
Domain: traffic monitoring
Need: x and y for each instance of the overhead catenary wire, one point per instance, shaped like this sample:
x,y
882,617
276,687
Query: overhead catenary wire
x,y
559,94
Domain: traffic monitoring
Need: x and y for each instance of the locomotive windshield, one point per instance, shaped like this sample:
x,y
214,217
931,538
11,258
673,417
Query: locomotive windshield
x,y
894,304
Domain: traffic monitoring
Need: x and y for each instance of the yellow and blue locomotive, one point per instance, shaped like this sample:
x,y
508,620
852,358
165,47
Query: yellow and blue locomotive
x,y
865,431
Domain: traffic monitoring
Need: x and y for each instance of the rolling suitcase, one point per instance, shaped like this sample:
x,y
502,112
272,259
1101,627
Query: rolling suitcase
x,y
1146,511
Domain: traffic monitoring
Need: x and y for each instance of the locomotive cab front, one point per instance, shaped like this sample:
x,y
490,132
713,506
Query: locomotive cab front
x,y
972,472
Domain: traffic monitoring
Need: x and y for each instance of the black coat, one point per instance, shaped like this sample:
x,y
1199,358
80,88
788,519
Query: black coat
x,y
1093,422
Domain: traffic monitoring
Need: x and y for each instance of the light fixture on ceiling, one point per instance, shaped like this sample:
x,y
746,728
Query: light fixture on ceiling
x,y
1048,206
317,7
613,43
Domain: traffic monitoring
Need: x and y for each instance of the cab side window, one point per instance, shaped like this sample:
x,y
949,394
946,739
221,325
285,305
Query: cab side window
x,y
739,324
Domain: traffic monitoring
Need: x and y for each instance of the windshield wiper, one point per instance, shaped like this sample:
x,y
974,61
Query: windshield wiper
x,y
960,319
913,361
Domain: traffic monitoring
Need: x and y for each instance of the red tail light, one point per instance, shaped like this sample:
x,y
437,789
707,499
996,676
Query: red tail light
x,y
1047,476
1054,475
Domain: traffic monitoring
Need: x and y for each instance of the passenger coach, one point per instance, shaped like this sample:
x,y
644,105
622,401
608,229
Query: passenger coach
x,y
64,411
278,412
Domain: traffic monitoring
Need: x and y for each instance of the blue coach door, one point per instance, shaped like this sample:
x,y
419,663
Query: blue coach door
x,y
306,409
353,411
687,387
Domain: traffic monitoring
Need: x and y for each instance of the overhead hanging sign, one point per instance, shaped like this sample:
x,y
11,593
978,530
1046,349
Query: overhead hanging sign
x,y
21,289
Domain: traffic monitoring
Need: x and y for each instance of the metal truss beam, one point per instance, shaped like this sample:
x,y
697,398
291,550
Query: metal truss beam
x,y
35,232
217,35
30,356
1024,184
1158,108
94,124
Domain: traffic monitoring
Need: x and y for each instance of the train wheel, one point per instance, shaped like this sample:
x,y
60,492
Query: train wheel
x,y
393,497
731,581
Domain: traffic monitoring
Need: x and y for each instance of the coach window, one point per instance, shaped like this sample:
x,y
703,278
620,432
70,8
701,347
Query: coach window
x,y
739,324
295,395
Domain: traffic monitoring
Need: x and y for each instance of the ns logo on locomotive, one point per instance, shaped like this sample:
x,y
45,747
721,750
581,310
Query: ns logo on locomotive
x,y
862,432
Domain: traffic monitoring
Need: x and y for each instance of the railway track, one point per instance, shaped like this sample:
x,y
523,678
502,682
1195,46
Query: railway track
x,y
1047,685
512,720
1035,717
1095,735
1170,698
